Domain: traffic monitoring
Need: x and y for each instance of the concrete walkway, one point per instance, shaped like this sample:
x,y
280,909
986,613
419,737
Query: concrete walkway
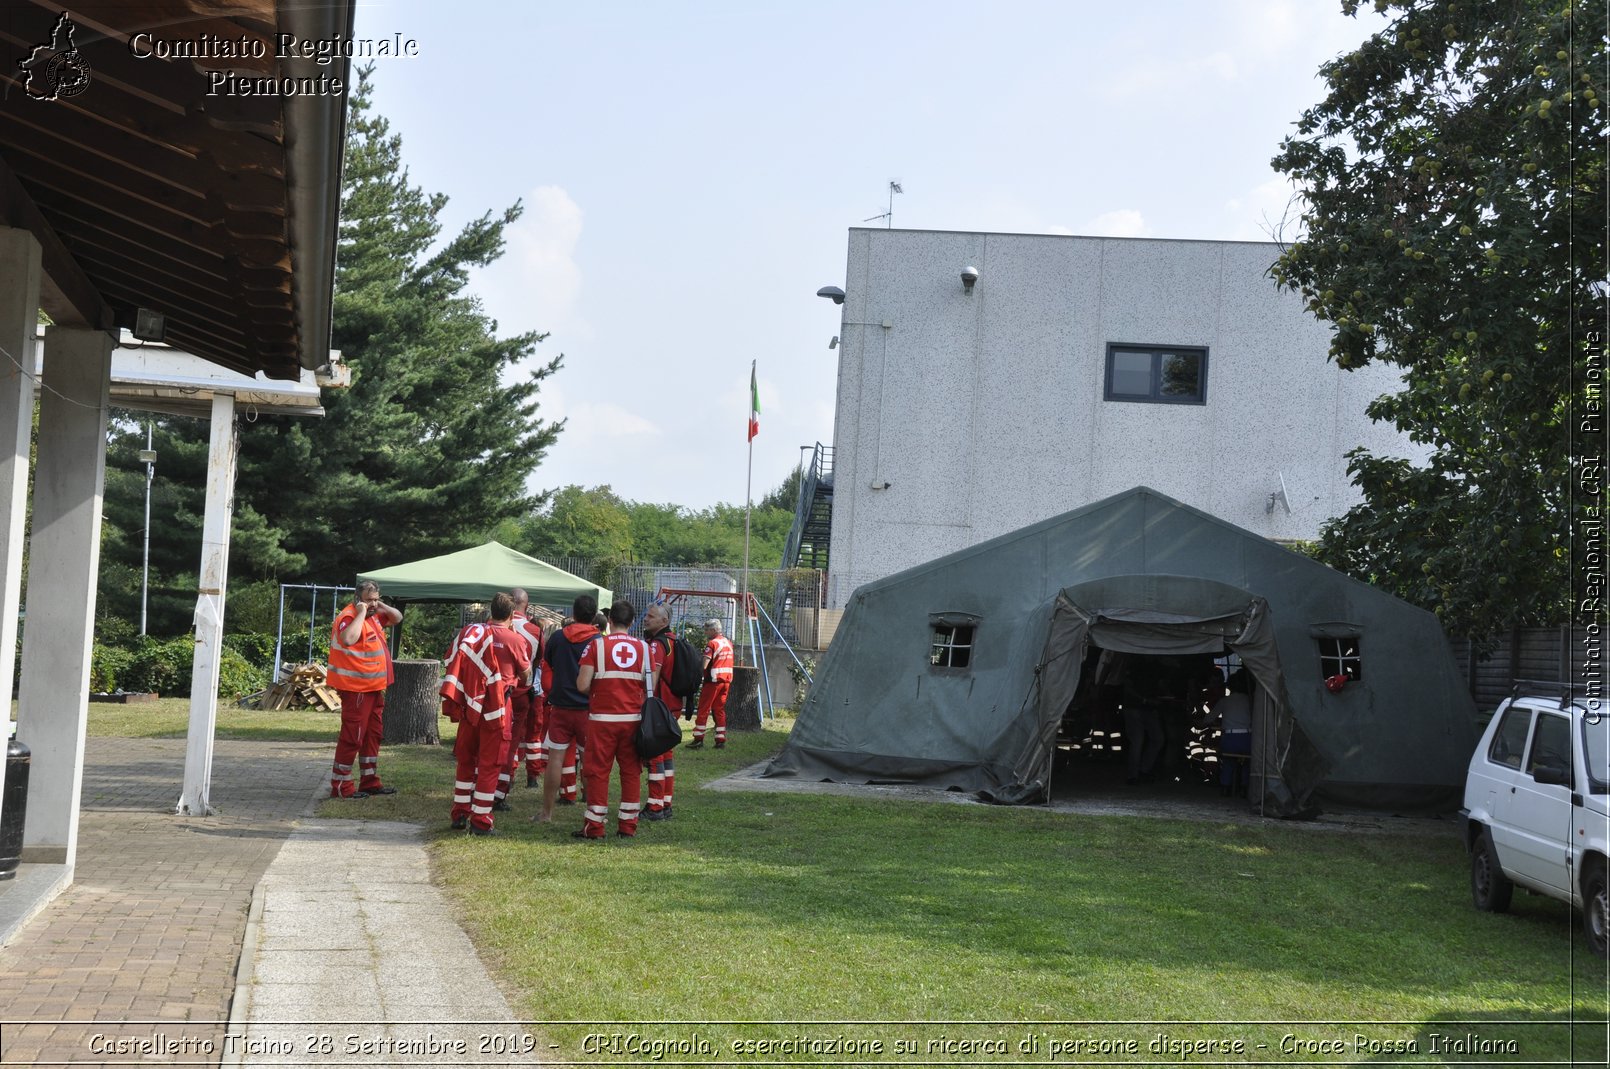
x,y
196,941
352,958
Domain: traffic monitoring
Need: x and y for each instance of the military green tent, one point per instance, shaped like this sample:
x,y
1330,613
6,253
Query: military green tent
x,y
958,673
476,574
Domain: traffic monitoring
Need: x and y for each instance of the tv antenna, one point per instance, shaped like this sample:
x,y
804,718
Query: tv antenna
x,y
888,216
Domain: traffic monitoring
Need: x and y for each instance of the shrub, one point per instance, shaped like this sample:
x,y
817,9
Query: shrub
x,y
237,675
161,665
108,666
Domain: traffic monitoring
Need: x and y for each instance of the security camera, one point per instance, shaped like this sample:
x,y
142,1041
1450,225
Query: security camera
x,y
969,278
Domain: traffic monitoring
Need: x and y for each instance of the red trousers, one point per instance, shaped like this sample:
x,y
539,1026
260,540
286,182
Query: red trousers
x,y
479,750
713,699
610,744
564,736
661,775
525,741
362,725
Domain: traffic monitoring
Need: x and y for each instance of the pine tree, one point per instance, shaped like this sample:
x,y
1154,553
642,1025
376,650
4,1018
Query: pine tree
x,y
432,445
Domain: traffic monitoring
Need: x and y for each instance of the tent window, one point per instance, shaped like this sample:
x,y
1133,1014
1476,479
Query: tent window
x,y
1340,657
952,646
1157,374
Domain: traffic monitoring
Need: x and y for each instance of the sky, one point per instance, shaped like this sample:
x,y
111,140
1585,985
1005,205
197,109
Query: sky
x,y
690,173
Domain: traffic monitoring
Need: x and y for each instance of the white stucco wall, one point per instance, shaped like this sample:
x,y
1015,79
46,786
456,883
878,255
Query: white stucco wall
x,y
985,413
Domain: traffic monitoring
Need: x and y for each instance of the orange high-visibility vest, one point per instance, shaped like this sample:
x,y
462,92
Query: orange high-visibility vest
x,y
360,667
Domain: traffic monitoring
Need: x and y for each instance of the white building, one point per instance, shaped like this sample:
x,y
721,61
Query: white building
x,y
1076,368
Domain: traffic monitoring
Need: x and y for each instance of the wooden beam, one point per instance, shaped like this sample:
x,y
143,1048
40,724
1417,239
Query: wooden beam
x,y
66,293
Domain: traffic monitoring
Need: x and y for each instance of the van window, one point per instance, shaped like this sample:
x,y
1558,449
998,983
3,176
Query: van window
x,y
1595,737
1551,745
1509,741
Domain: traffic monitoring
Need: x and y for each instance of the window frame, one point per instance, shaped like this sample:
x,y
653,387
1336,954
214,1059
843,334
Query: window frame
x,y
1524,715
1156,352
951,630
1341,658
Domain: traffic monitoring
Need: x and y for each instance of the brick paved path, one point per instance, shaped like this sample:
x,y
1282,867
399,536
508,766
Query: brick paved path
x,y
150,930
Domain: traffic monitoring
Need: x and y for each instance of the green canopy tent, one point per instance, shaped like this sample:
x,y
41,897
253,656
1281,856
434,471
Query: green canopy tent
x,y
478,573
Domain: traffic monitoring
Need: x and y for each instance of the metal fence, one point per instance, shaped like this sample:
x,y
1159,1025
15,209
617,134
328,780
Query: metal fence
x,y
791,598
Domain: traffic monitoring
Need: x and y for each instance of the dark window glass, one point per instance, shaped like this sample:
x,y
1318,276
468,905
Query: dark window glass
x,y
1166,375
1340,657
952,646
1509,741
1551,745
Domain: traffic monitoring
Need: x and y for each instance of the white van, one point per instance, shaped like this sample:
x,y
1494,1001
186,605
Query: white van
x,y
1537,806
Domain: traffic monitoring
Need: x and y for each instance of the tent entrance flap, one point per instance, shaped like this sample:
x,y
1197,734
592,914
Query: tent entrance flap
x,y
1288,766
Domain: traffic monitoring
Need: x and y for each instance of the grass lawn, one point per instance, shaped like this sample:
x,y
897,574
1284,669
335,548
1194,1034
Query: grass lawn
x,y
169,718
990,925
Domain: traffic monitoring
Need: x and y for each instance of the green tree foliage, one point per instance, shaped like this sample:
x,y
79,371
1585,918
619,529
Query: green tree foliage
x,y
598,524
1454,182
430,448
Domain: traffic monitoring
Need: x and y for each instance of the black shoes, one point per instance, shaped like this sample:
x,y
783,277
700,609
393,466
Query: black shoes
x,y
501,806
380,790
696,744
460,823
475,830
721,744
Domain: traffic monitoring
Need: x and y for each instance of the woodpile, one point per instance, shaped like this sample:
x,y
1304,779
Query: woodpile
x,y
301,686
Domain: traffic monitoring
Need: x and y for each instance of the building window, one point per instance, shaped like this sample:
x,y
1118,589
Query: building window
x,y
1168,375
952,646
1339,657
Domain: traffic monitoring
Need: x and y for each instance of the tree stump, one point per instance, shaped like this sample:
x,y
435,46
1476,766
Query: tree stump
x,y
743,706
413,704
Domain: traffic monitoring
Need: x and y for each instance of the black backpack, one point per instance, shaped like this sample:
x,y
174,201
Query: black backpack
x,y
684,665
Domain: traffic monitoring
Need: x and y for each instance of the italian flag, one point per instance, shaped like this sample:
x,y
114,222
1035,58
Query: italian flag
x,y
754,404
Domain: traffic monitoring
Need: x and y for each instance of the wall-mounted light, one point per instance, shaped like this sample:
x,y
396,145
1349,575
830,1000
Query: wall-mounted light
x,y
832,293
149,325
834,344
969,279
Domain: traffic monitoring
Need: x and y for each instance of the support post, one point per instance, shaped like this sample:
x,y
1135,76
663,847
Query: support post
x,y
19,318
221,452
63,562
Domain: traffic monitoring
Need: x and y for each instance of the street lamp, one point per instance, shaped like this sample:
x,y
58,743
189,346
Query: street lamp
x,y
148,457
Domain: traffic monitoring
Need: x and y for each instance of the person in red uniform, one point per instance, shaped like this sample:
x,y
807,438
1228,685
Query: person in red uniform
x,y
497,659
360,669
472,698
567,705
717,681
523,702
617,672
662,769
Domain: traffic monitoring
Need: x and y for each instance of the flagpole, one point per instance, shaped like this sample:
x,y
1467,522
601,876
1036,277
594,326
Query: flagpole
x,y
749,479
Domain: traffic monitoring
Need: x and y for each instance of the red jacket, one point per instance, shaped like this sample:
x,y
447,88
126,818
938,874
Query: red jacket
x,y
474,684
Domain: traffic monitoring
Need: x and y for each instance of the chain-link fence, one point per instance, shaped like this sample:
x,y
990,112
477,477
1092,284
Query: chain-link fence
x,y
792,599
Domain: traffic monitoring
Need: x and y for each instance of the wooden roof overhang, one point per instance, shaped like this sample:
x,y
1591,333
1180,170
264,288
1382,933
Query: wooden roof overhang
x,y
218,209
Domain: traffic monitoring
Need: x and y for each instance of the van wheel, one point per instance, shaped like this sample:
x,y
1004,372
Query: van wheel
x,y
1489,887
1596,910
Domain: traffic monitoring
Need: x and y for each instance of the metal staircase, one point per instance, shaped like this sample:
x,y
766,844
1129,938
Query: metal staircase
x,y
808,539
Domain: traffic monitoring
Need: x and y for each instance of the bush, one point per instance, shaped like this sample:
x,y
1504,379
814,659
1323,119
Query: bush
x,y
161,665
108,666
256,647
237,675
